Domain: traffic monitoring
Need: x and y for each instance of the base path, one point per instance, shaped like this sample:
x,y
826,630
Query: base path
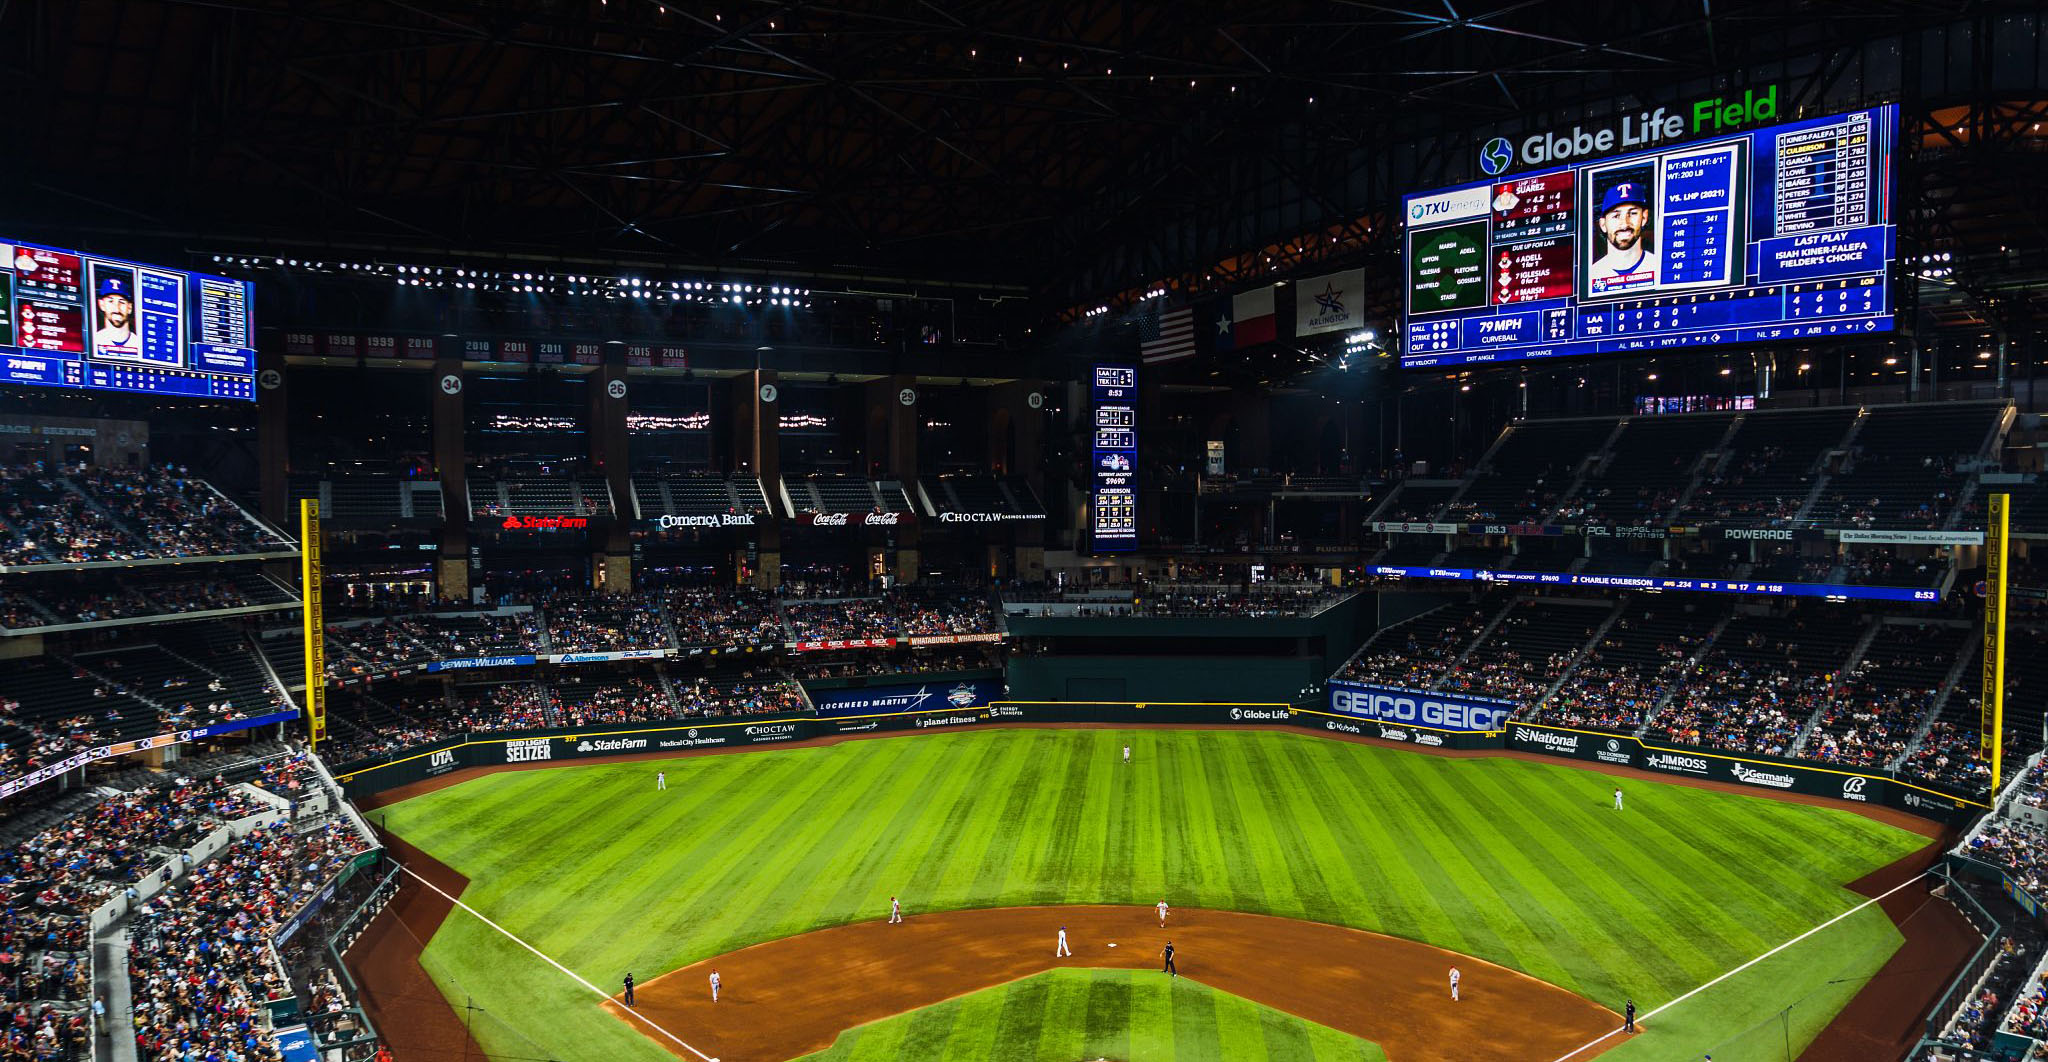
x,y
788,998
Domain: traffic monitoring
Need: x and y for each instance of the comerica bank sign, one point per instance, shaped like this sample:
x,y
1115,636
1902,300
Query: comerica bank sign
x,y
1640,129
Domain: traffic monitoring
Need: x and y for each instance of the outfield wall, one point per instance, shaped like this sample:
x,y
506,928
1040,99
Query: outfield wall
x,y
365,778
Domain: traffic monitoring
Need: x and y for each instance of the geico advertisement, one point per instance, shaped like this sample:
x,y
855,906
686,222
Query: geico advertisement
x,y
1416,708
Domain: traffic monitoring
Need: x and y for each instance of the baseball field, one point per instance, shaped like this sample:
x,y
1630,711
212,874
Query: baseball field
x,y
1320,890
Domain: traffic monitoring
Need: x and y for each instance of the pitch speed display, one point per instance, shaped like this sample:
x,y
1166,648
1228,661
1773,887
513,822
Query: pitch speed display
x,y
1778,232
93,323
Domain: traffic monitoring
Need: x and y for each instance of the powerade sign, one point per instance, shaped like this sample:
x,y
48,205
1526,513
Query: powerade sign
x,y
1398,707
922,697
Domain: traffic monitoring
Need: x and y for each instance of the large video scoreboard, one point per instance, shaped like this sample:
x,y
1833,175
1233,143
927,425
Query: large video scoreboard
x,y
1780,232
94,323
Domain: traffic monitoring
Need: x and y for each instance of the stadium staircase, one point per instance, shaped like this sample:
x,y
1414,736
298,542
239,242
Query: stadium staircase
x,y
1846,445
1478,639
1375,637
1599,634
110,974
1674,688
1711,464
1856,653
1966,663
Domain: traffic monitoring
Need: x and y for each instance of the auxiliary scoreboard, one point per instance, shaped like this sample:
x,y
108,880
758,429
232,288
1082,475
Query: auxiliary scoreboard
x,y
103,324
1780,232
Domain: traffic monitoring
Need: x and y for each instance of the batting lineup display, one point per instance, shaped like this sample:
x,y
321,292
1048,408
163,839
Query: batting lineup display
x,y
1782,232
80,321
1113,505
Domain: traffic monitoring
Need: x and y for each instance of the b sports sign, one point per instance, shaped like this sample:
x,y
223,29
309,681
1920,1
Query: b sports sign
x,y
1401,707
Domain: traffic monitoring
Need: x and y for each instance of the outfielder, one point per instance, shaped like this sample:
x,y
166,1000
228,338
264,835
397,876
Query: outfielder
x,y
660,780
1127,755
1454,984
1062,950
1617,798
895,910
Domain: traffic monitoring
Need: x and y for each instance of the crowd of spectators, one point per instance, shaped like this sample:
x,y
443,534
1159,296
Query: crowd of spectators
x,y
1745,707
1256,601
919,615
508,706
1622,678
48,604
862,617
625,700
1415,654
753,692
972,657
603,622
200,968
1723,497
704,615
80,514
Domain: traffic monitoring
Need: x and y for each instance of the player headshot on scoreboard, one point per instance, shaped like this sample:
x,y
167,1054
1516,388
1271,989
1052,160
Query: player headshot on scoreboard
x,y
114,313
1624,237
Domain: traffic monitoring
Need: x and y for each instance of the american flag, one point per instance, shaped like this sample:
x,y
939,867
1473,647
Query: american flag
x,y
1166,335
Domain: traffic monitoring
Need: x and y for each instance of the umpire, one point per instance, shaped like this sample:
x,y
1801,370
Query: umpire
x,y
629,990
1169,960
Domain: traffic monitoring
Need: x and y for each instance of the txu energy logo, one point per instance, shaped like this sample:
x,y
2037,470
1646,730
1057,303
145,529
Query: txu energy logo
x,y
1496,156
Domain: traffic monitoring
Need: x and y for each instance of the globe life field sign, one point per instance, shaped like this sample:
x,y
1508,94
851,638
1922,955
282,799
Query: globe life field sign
x,y
1663,229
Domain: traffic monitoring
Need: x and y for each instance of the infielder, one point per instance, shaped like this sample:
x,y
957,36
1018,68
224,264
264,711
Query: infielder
x,y
1454,984
116,332
660,780
895,910
1624,221
1162,914
714,986
1617,798
1062,950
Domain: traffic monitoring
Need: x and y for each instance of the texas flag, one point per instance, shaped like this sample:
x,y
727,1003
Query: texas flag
x,y
1252,313
1214,327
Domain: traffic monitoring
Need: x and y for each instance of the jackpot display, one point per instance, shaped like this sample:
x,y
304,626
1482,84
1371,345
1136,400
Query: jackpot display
x,y
1779,232
1113,501
93,323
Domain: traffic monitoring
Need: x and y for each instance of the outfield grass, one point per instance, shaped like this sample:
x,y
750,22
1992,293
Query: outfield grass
x,y
1522,863
1077,1014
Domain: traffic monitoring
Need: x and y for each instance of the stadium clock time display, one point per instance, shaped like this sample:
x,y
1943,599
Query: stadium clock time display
x,y
93,323
1782,232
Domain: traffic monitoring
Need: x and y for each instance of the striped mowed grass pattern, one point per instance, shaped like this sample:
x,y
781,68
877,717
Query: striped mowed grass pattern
x,y
1524,864
1117,1014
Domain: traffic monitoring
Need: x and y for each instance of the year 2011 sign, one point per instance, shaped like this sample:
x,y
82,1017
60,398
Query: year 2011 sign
x,y
1782,232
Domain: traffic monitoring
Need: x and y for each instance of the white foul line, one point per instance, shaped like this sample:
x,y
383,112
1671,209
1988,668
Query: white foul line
x,y
1647,1015
602,994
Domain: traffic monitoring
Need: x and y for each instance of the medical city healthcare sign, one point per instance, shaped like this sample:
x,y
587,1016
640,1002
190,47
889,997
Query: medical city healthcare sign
x,y
1399,707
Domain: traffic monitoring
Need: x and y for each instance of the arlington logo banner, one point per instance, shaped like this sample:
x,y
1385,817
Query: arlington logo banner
x,y
1333,303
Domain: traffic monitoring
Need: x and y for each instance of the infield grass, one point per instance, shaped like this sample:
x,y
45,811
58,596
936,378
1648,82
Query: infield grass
x,y
1522,863
1122,1014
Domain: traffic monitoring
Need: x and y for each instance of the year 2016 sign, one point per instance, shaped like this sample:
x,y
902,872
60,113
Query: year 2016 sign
x,y
1645,241
1113,504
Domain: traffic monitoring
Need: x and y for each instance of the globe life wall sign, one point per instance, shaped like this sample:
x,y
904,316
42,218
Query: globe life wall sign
x,y
1640,129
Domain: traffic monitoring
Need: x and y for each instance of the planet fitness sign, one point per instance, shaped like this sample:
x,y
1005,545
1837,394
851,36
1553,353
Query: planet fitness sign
x,y
1386,704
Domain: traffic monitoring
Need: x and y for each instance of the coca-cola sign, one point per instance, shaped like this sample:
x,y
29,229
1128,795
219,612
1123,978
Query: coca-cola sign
x,y
855,519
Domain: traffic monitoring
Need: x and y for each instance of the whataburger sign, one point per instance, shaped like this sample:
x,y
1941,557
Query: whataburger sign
x,y
1637,129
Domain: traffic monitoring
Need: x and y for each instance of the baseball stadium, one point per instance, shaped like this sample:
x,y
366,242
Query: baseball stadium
x,y
759,531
